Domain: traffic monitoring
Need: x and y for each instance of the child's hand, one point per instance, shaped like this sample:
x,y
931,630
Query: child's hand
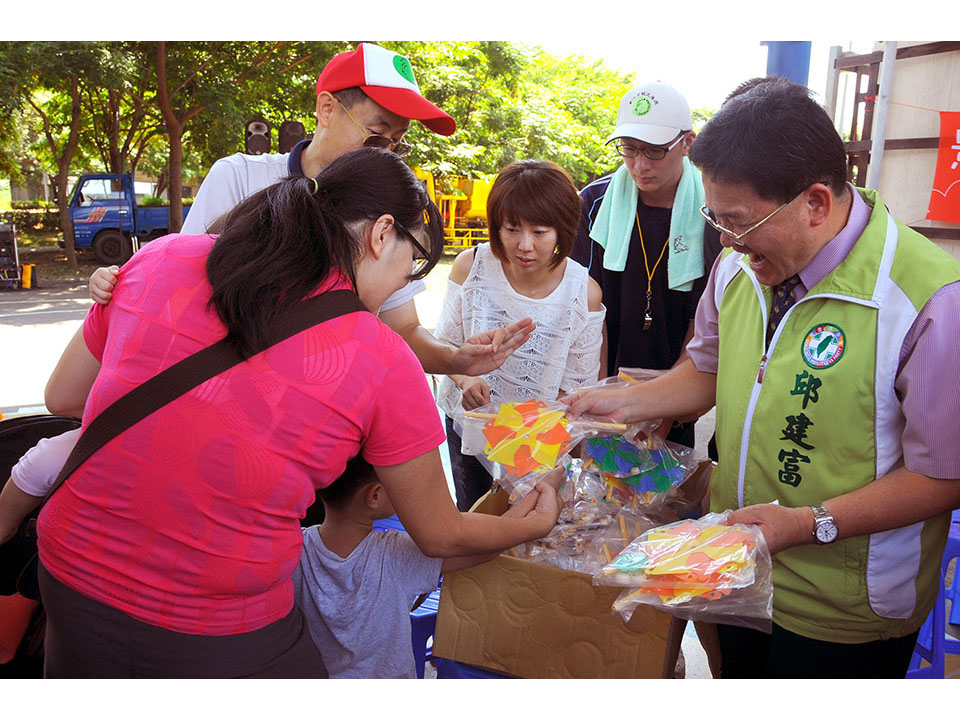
x,y
547,508
102,282
476,393
542,499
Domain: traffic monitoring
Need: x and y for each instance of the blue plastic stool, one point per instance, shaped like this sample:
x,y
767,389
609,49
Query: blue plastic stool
x,y
423,623
953,592
452,670
392,522
932,643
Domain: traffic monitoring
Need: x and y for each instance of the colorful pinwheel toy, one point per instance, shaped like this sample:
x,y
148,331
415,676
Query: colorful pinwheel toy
x,y
526,437
686,560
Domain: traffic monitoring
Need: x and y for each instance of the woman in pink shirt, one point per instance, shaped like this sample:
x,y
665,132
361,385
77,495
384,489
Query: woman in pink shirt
x,y
169,552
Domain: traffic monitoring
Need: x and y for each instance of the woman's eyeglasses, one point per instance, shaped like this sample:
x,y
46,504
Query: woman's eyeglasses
x,y
378,141
418,262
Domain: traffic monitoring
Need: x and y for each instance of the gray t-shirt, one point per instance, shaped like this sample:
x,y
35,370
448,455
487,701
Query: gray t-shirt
x,y
358,607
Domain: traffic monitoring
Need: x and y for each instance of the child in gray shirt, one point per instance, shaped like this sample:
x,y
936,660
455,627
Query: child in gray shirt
x,y
356,585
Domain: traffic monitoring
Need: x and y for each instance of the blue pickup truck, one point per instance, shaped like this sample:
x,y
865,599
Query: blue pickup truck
x,y
106,217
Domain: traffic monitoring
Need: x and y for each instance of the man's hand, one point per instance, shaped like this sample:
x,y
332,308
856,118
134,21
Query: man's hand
x,y
782,527
102,283
476,393
605,402
486,351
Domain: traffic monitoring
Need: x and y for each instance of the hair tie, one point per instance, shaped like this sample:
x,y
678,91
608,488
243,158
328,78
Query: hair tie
x,y
316,186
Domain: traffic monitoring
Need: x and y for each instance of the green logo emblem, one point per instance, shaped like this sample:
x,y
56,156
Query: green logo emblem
x,y
641,106
402,66
823,346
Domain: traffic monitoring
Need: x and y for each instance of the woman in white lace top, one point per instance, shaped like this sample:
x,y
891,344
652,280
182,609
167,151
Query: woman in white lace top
x,y
532,210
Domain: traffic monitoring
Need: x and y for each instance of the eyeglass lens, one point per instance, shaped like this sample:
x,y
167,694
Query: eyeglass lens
x,y
654,153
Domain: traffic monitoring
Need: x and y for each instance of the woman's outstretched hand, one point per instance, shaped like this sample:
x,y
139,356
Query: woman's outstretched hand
x,y
487,350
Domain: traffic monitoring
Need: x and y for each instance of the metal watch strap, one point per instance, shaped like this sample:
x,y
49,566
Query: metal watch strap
x,y
822,516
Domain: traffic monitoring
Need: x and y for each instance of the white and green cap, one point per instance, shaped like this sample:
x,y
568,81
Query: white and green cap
x,y
653,113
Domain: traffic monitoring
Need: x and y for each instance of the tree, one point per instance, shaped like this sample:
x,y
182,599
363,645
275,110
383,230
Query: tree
x,y
218,79
46,78
122,115
513,102
569,108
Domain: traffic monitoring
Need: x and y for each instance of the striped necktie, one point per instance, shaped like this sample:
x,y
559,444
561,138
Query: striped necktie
x,y
783,298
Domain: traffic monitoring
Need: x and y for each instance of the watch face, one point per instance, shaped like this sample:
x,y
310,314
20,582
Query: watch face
x,y
826,532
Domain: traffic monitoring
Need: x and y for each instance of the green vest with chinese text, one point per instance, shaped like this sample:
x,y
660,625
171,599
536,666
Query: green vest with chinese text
x,y
817,416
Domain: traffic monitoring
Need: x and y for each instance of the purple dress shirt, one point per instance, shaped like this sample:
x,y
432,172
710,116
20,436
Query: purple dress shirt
x,y
928,376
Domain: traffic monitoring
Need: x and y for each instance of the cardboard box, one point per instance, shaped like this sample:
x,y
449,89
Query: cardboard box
x,y
530,620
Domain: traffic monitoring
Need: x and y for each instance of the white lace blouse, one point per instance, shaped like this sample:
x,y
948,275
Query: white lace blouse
x,y
562,353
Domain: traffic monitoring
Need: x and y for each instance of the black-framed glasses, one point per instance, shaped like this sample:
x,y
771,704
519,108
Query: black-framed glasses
x,y
378,141
653,152
418,262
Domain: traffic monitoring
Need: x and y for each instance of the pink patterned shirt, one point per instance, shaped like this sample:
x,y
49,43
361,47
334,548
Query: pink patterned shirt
x,y
190,519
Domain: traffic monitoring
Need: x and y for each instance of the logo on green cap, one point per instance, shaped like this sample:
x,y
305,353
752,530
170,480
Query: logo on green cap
x,y
402,66
641,106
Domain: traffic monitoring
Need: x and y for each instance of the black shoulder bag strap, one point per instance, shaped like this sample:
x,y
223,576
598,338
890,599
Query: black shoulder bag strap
x,y
185,375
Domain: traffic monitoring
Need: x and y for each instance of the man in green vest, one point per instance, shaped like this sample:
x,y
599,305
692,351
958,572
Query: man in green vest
x,y
826,338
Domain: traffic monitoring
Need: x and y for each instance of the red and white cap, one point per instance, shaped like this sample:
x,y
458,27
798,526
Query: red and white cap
x,y
387,78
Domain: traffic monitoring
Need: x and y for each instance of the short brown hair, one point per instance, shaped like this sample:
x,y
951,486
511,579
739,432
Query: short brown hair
x,y
540,192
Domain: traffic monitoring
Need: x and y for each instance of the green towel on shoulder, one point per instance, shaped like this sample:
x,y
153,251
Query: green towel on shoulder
x,y
616,217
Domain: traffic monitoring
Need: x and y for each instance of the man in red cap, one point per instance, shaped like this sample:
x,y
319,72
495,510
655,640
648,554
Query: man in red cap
x,y
365,98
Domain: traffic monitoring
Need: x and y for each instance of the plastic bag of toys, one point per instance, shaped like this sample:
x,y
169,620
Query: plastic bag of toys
x,y
638,472
520,441
696,570
596,522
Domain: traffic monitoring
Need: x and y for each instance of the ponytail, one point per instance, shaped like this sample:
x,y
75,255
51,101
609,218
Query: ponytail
x,y
279,244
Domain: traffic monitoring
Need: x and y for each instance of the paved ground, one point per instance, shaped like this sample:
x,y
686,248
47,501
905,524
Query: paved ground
x,y
35,326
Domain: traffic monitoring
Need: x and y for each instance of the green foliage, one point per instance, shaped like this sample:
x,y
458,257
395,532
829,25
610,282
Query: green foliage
x,y
701,116
511,101
32,204
35,220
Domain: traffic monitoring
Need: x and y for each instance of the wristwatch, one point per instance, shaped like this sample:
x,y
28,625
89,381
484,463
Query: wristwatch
x,y
824,526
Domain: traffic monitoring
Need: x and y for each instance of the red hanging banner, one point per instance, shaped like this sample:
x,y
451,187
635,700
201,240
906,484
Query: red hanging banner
x,y
945,197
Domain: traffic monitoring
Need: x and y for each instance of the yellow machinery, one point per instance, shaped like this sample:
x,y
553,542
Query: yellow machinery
x,y
464,210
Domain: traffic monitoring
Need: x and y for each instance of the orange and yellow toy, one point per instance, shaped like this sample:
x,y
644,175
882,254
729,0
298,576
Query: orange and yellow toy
x,y
526,437
685,560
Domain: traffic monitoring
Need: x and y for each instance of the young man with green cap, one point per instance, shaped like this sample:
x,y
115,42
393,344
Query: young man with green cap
x,y
643,239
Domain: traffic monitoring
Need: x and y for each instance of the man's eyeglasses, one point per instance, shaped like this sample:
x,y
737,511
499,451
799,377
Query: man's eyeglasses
x,y
418,262
378,141
654,152
737,237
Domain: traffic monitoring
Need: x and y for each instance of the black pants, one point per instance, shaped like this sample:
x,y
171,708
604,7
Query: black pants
x,y
470,478
751,654
683,434
85,638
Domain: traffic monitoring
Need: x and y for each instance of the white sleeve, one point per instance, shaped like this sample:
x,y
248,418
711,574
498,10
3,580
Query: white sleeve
x,y
450,323
37,470
220,191
403,295
583,359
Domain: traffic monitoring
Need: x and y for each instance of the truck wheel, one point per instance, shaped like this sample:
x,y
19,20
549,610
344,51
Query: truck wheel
x,y
112,247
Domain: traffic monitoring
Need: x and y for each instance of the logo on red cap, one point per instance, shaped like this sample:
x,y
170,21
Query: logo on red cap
x,y
386,78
